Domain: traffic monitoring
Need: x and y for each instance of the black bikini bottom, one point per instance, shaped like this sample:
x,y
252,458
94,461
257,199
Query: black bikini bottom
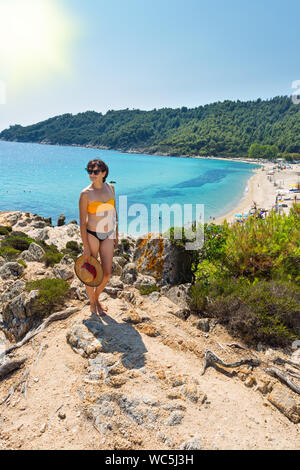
x,y
100,235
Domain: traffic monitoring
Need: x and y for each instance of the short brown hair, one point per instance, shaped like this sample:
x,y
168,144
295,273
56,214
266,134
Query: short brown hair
x,y
100,164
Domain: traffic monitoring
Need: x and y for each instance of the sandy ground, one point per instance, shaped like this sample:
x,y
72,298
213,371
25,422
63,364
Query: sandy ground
x,y
233,416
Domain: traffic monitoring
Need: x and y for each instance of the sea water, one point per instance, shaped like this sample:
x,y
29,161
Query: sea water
x,y
47,180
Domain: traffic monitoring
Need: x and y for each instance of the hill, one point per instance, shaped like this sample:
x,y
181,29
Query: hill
x,y
224,128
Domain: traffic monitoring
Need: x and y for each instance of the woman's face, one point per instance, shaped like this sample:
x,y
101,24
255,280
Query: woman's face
x,y
99,177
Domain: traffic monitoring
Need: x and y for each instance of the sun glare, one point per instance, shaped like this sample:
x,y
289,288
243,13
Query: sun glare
x,y
35,37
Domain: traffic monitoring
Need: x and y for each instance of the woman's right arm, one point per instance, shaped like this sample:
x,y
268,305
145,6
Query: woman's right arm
x,y
83,203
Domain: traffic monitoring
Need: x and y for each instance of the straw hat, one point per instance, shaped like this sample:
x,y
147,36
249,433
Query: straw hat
x,y
90,273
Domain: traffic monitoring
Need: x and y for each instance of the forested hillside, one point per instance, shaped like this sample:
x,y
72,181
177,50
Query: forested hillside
x,y
223,128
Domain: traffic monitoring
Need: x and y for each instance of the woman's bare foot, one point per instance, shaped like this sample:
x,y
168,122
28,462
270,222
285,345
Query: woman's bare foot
x,y
101,309
93,307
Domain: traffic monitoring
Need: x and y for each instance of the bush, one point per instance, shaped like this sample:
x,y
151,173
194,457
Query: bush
x,y
9,253
52,293
22,262
73,246
265,311
72,249
52,255
5,229
18,243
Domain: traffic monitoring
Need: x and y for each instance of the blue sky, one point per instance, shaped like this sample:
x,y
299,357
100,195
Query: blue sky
x,y
164,53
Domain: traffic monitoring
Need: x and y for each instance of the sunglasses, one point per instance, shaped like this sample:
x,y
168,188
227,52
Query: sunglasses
x,y
90,172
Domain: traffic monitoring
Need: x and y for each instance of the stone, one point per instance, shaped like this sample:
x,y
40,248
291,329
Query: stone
x,y
132,317
67,260
13,291
296,345
86,338
61,220
175,418
120,260
63,272
183,313
203,325
193,393
286,403
250,381
130,268
195,443
178,294
11,270
154,296
127,295
115,282
144,281
112,291
157,256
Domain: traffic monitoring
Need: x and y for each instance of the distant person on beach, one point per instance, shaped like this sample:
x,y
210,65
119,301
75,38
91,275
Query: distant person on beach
x,y
98,226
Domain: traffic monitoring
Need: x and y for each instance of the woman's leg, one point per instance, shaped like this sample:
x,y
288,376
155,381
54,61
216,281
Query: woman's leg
x,y
94,247
106,254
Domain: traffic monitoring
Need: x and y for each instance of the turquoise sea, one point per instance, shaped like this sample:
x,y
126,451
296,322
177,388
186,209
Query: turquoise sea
x,y
47,180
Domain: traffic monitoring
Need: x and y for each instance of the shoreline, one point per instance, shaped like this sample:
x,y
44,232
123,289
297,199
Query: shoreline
x,y
138,152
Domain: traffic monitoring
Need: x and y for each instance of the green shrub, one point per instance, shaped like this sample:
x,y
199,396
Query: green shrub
x,y
72,249
50,259
18,243
5,229
145,290
73,246
22,262
265,311
52,293
52,255
9,253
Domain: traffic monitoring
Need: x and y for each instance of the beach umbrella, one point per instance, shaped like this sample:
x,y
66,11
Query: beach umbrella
x,y
238,215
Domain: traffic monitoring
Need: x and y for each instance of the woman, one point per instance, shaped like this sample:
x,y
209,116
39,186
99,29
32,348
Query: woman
x,y
98,226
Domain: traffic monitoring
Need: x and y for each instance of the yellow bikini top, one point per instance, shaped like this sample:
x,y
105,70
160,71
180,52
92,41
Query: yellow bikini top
x,y
94,206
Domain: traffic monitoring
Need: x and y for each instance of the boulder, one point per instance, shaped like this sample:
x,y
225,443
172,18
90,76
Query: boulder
x,y
129,274
144,281
178,294
204,324
11,270
61,220
86,338
63,272
166,262
13,291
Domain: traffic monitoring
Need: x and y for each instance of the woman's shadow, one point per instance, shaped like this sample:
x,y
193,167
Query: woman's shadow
x,y
120,337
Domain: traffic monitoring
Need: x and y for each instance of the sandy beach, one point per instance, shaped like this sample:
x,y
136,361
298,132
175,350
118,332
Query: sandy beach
x,y
262,191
